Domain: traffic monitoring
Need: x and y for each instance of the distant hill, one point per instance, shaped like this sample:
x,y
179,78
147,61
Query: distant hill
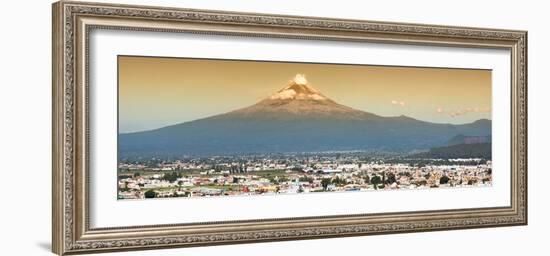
x,y
463,139
297,118
474,150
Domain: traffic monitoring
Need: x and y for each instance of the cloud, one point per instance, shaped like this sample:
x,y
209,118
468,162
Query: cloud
x,y
464,111
398,103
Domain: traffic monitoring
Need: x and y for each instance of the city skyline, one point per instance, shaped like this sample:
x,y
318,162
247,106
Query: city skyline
x,y
155,92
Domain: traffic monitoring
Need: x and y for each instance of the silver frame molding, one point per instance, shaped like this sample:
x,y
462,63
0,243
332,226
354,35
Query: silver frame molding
x,y
72,23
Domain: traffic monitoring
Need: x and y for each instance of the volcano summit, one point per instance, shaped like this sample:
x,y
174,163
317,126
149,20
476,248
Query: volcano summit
x,y
297,118
300,100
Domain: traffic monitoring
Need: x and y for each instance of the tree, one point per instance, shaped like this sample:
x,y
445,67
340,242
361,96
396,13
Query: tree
x,y
180,183
171,177
427,176
339,181
444,179
391,178
306,179
325,182
125,188
375,180
367,178
122,176
137,174
150,194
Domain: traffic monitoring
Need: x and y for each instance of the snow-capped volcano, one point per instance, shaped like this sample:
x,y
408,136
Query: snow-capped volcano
x,y
299,99
298,89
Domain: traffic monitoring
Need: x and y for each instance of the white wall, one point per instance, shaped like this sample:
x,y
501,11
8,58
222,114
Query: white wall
x,y
25,147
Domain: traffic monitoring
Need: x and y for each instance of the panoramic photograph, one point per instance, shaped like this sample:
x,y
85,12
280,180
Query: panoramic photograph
x,y
215,128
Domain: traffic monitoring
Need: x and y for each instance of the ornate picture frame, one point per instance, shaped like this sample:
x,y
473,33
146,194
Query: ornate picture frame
x,y
72,23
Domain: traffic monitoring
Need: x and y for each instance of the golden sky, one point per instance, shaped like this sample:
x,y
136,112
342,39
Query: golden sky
x,y
156,92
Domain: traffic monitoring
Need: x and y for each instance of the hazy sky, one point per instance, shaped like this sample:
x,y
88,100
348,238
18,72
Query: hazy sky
x,y
155,92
